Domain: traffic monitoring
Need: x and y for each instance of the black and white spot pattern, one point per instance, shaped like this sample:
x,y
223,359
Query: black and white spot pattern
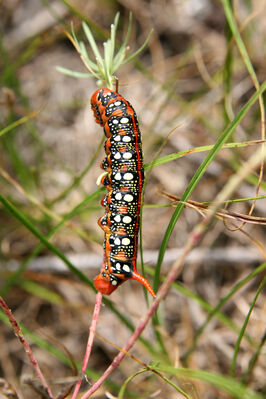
x,y
124,181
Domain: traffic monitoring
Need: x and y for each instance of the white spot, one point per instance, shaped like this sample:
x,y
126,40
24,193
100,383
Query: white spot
x,y
118,196
115,121
124,120
111,105
118,176
117,218
114,282
117,241
125,241
126,268
127,155
128,176
128,198
126,139
117,138
127,219
117,155
118,266
117,103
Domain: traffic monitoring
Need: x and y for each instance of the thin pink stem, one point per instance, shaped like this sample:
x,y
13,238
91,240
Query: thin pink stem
x,y
171,277
90,341
27,348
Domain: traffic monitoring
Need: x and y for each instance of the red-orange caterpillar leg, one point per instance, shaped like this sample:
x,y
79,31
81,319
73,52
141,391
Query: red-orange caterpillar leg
x,y
138,277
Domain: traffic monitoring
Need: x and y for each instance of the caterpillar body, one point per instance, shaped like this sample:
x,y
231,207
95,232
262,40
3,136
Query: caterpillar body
x,y
123,178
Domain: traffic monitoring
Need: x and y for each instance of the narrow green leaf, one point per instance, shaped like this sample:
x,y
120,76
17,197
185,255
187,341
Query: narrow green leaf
x,y
121,52
93,44
112,37
225,383
221,303
86,57
238,342
130,58
19,122
238,39
196,178
253,360
22,218
74,35
180,154
74,74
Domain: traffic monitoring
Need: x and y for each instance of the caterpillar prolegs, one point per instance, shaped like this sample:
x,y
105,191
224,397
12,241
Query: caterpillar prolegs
x,y
124,180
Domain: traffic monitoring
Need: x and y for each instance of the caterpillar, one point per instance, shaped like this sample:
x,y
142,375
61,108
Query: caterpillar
x,y
123,178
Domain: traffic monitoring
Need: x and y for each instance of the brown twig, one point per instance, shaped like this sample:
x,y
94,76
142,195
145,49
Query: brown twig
x,y
27,348
221,214
90,341
172,275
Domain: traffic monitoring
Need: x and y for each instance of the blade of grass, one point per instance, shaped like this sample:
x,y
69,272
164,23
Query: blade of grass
x,y
225,383
227,72
238,342
19,122
253,361
196,178
180,154
240,44
19,215
241,47
221,303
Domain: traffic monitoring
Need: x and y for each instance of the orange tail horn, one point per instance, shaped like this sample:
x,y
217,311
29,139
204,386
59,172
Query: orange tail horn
x,y
138,277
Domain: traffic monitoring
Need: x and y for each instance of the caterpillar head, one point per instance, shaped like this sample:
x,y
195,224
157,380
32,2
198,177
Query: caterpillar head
x,y
106,283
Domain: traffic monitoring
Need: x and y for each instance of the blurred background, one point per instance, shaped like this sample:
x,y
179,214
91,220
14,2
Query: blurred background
x,y
188,83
